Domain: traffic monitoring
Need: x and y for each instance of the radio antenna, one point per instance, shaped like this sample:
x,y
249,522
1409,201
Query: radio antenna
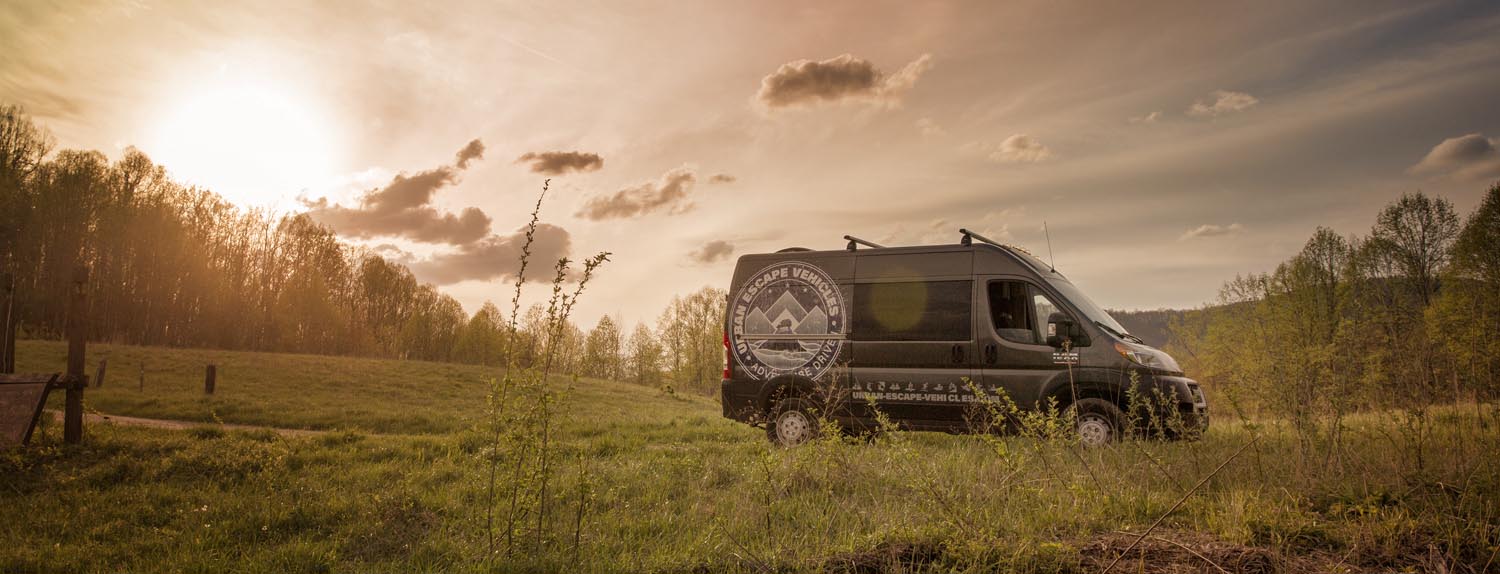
x,y
1049,246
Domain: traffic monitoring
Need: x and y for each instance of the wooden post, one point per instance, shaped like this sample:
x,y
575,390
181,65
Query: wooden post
x,y
209,375
143,376
8,323
77,349
99,374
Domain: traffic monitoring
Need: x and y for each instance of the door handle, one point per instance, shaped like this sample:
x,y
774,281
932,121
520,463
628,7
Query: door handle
x,y
991,354
958,354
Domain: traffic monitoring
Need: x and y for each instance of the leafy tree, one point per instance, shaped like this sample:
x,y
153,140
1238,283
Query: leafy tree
x,y
1416,232
602,351
643,357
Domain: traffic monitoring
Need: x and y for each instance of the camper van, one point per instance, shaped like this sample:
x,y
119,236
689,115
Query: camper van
x,y
923,334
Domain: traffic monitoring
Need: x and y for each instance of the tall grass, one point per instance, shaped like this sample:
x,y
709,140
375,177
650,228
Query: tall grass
x,y
523,404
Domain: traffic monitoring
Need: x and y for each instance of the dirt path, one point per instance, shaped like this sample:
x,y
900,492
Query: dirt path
x,y
93,418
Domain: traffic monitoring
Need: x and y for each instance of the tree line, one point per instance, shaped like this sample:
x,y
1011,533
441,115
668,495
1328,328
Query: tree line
x,y
177,265
1404,317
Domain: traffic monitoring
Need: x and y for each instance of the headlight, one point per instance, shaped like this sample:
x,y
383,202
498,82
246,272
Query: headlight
x,y
1147,357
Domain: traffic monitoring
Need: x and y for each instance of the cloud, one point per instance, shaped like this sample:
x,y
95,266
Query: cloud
x,y
402,208
1211,230
1150,118
1225,102
929,127
561,162
1019,148
723,178
495,257
668,193
1470,156
712,252
473,151
838,79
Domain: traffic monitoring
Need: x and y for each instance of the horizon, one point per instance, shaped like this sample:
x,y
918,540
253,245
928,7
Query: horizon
x,y
1163,164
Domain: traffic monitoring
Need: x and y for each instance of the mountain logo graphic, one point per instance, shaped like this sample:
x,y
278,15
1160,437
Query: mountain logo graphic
x,y
788,318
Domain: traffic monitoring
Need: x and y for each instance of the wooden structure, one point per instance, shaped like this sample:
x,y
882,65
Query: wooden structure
x,y
8,323
23,396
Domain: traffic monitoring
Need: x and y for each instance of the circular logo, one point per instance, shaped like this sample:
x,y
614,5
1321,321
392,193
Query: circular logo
x,y
788,318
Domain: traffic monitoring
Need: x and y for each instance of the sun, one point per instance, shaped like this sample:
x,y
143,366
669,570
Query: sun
x,y
254,142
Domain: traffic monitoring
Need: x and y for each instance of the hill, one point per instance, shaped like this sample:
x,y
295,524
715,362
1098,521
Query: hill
x,y
1152,326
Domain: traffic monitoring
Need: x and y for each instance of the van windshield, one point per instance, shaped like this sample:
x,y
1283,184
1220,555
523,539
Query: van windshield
x,y
1084,304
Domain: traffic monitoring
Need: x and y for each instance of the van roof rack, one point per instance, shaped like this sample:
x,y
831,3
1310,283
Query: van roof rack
x,y
855,242
970,236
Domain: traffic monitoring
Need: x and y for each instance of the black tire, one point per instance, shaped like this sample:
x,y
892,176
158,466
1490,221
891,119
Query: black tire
x,y
1099,422
792,422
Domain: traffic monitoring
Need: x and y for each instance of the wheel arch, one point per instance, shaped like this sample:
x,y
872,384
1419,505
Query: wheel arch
x,y
782,387
1088,383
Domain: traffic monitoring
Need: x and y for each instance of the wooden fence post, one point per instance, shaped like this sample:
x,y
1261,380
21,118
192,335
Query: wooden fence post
x,y
8,323
209,375
77,349
99,374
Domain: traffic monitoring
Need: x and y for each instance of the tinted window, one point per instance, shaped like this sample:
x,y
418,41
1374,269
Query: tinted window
x,y
1011,311
913,311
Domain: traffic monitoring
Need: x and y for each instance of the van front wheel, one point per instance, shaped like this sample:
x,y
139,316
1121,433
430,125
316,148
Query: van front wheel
x,y
1099,421
792,423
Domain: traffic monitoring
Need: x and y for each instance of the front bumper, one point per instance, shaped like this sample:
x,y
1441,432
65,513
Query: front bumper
x,y
1194,409
1191,405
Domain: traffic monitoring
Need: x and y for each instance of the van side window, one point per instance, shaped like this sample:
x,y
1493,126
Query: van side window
x,y
1010,311
913,311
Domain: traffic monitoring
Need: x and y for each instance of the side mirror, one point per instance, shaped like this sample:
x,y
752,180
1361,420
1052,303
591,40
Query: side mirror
x,y
1061,329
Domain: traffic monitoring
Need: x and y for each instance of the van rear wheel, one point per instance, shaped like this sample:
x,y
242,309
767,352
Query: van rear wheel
x,y
792,423
1099,422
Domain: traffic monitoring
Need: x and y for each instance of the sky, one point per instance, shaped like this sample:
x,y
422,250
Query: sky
x,y
1167,146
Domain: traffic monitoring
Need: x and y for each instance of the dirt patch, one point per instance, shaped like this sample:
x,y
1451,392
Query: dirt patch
x,y
97,418
1166,552
1173,552
886,557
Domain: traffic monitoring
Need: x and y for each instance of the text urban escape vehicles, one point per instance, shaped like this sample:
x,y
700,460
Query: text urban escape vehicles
x,y
923,333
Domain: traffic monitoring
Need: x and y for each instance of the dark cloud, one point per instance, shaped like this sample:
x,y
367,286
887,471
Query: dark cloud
x,y
1470,156
723,178
495,257
837,79
402,208
473,151
668,193
561,162
712,252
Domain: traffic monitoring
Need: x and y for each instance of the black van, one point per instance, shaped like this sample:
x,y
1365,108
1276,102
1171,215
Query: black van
x,y
916,331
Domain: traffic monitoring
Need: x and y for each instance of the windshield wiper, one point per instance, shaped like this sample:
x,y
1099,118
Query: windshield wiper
x,y
1120,334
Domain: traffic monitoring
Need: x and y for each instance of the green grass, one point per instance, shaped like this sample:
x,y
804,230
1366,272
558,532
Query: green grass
x,y
680,489
312,391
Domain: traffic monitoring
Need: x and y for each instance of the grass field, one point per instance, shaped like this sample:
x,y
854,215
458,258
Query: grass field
x,y
676,488
306,391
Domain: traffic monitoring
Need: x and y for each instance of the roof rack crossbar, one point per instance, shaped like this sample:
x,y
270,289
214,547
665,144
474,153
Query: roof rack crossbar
x,y
855,242
970,236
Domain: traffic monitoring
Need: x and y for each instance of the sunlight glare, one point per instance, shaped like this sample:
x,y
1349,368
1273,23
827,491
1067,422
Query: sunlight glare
x,y
255,143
